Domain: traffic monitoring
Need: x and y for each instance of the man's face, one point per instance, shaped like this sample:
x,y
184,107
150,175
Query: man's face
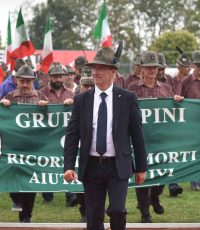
x,y
149,72
24,85
69,78
103,76
161,73
56,81
184,70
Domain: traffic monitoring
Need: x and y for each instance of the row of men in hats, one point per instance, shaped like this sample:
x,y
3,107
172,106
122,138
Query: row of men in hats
x,y
58,86
72,79
149,79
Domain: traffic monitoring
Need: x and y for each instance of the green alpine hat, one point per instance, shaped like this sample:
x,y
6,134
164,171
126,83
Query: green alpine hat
x,y
69,69
150,58
87,81
57,69
86,71
162,60
105,56
196,57
25,71
183,60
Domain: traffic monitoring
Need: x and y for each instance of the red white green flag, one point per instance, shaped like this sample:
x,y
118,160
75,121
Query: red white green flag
x,y
9,43
102,30
47,53
22,46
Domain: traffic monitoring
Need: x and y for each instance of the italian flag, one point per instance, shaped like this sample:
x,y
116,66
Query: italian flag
x,y
102,30
47,53
22,45
9,60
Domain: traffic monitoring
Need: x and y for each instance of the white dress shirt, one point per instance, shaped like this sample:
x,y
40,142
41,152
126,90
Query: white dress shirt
x,y
74,87
109,139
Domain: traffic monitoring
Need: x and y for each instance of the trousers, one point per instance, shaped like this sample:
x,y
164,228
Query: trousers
x,y
101,179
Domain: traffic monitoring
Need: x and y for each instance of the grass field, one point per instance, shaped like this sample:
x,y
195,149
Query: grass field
x,y
183,209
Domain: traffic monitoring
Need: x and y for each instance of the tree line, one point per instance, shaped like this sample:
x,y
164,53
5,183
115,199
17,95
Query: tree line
x,y
141,24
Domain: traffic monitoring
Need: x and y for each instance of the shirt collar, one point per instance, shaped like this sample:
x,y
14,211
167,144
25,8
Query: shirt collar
x,y
33,93
140,82
108,91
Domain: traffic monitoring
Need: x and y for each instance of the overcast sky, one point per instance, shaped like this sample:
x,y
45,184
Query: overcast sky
x,y
12,6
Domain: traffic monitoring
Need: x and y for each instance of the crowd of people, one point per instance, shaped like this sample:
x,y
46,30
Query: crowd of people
x,y
66,84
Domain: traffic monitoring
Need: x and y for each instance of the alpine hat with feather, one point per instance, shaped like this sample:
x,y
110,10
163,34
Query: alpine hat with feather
x,y
183,59
107,56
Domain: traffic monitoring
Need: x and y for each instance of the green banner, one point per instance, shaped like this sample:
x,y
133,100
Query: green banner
x,y
32,139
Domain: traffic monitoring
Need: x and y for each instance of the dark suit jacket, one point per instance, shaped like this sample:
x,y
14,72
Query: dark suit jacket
x,y
126,126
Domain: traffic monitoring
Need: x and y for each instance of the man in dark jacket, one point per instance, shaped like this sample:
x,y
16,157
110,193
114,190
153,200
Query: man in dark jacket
x,y
103,120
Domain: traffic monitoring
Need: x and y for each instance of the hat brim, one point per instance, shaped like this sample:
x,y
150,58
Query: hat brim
x,y
163,66
91,64
184,64
26,76
87,83
57,73
196,62
151,65
181,64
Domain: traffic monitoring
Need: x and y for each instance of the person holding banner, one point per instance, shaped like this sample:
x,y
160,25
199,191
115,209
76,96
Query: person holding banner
x,y
162,76
174,189
149,87
9,84
190,86
25,94
57,92
183,64
104,120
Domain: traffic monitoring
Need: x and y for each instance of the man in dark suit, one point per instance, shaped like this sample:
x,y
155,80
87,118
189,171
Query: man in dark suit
x,y
104,120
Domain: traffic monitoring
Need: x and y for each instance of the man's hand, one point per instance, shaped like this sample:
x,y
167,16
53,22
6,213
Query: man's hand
x,y
42,103
70,175
140,177
5,102
68,101
178,98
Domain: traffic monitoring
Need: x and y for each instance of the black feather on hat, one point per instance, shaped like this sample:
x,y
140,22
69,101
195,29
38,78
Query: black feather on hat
x,y
182,59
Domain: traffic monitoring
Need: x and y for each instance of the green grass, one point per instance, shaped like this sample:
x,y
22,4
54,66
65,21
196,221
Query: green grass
x,y
182,209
